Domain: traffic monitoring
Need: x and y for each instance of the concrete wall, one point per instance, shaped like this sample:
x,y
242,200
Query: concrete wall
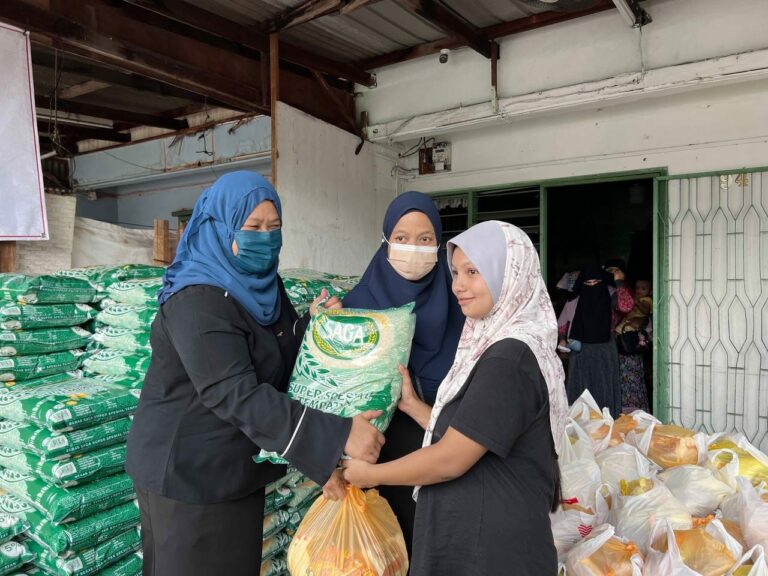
x,y
333,200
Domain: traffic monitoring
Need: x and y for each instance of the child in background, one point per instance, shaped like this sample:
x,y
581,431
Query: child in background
x,y
634,394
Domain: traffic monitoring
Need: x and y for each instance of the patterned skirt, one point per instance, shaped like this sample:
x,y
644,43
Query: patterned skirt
x,y
634,394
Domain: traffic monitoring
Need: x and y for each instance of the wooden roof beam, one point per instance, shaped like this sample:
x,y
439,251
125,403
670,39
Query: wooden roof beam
x,y
123,116
87,87
251,38
312,10
452,23
492,32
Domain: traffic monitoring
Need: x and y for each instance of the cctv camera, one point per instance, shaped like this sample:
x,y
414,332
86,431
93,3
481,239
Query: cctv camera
x,y
444,55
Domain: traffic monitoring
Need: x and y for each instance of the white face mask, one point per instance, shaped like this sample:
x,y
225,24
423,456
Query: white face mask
x,y
410,261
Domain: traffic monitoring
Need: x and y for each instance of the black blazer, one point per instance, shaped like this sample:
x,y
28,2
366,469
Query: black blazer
x,y
215,394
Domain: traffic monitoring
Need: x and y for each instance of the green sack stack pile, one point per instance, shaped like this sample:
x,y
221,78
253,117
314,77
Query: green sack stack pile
x,y
304,286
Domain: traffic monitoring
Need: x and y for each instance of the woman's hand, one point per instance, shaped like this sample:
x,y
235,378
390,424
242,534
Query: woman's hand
x,y
332,303
359,473
334,488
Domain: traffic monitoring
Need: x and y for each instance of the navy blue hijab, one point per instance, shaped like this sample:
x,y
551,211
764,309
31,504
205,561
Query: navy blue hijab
x,y
439,319
204,255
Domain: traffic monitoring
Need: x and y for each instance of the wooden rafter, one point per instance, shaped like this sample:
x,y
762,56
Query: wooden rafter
x,y
87,87
452,23
492,32
114,114
312,10
243,36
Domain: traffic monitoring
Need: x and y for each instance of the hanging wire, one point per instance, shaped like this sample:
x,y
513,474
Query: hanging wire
x,y
642,52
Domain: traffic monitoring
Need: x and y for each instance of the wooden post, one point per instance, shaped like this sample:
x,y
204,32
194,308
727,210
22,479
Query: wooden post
x,y
162,249
274,91
7,256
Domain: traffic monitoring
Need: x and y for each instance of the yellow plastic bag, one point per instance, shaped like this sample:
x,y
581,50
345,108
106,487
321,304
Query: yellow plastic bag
x,y
700,551
673,446
722,453
358,536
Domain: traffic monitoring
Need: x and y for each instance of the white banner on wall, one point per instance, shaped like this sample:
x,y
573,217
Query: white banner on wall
x,y
22,202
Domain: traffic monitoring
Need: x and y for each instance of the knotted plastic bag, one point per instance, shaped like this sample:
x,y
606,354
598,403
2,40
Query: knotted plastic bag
x,y
604,554
357,536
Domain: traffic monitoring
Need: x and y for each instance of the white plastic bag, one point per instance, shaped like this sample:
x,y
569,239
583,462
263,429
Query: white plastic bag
x,y
623,462
680,450
580,475
696,488
756,558
667,563
577,562
753,514
595,421
569,527
743,459
636,516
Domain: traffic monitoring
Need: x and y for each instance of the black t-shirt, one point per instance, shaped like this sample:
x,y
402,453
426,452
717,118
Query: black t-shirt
x,y
494,520
215,394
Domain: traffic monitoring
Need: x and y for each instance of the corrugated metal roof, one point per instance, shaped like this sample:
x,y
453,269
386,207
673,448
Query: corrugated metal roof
x,y
379,28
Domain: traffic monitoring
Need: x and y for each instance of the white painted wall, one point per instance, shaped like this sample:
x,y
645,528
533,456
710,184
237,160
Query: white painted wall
x,y
333,201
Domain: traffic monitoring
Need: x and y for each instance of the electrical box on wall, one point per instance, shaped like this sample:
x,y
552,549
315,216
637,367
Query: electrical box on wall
x,y
435,158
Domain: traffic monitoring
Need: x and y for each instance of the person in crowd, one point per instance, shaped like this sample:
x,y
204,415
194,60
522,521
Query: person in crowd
x,y
487,474
588,319
406,268
224,343
634,392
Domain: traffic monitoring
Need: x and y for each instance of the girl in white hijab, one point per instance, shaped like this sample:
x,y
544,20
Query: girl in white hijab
x,y
488,472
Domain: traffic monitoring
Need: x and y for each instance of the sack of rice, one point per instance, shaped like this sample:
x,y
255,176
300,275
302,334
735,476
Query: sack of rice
x,y
71,405
128,316
65,539
30,367
136,292
66,473
14,555
43,341
131,382
32,317
63,505
277,499
348,363
275,545
275,522
275,566
11,525
304,286
89,561
62,445
46,290
102,277
117,363
128,566
303,494
123,339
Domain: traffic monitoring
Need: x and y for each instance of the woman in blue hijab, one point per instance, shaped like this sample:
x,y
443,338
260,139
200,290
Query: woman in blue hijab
x,y
223,347
406,268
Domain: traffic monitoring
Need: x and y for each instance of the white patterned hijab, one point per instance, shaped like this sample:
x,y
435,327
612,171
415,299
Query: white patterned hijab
x,y
509,264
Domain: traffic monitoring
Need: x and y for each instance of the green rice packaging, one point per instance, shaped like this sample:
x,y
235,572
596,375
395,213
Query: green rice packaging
x,y
132,382
275,522
30,317
64,505
71,405
275,566
44,341
77,470
89,561
62,445
46,290
348,363
11,525
117,363
131,565
304,493
66,539
123,339
19,368
274,545
102,277
52,379
128,316
136,292
304,286
276,499
14,555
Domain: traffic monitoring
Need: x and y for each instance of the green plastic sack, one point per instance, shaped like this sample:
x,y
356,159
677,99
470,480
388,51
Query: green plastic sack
x,y
275,522
127,316
62,445
275,566
304,286
64,505
14,555
117,363
348,363
46,290
102,277
297,517
80,469
274,546
31,367
123,339
276,499
89,561
304,494
128,566
52,379
65,539
136,292
44,341
32,317
131,382
71,405
11,525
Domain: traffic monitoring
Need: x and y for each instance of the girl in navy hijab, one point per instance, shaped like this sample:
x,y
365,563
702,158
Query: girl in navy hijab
x,y
406,268
223,348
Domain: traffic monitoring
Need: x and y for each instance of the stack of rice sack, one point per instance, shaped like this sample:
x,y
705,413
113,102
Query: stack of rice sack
x,y
304,286
14,553
645,499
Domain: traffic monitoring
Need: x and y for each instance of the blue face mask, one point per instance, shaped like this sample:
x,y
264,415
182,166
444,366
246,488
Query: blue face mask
x,y
257,252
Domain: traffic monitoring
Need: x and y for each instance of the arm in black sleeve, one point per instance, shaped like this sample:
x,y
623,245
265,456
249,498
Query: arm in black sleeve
x,y
211,340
